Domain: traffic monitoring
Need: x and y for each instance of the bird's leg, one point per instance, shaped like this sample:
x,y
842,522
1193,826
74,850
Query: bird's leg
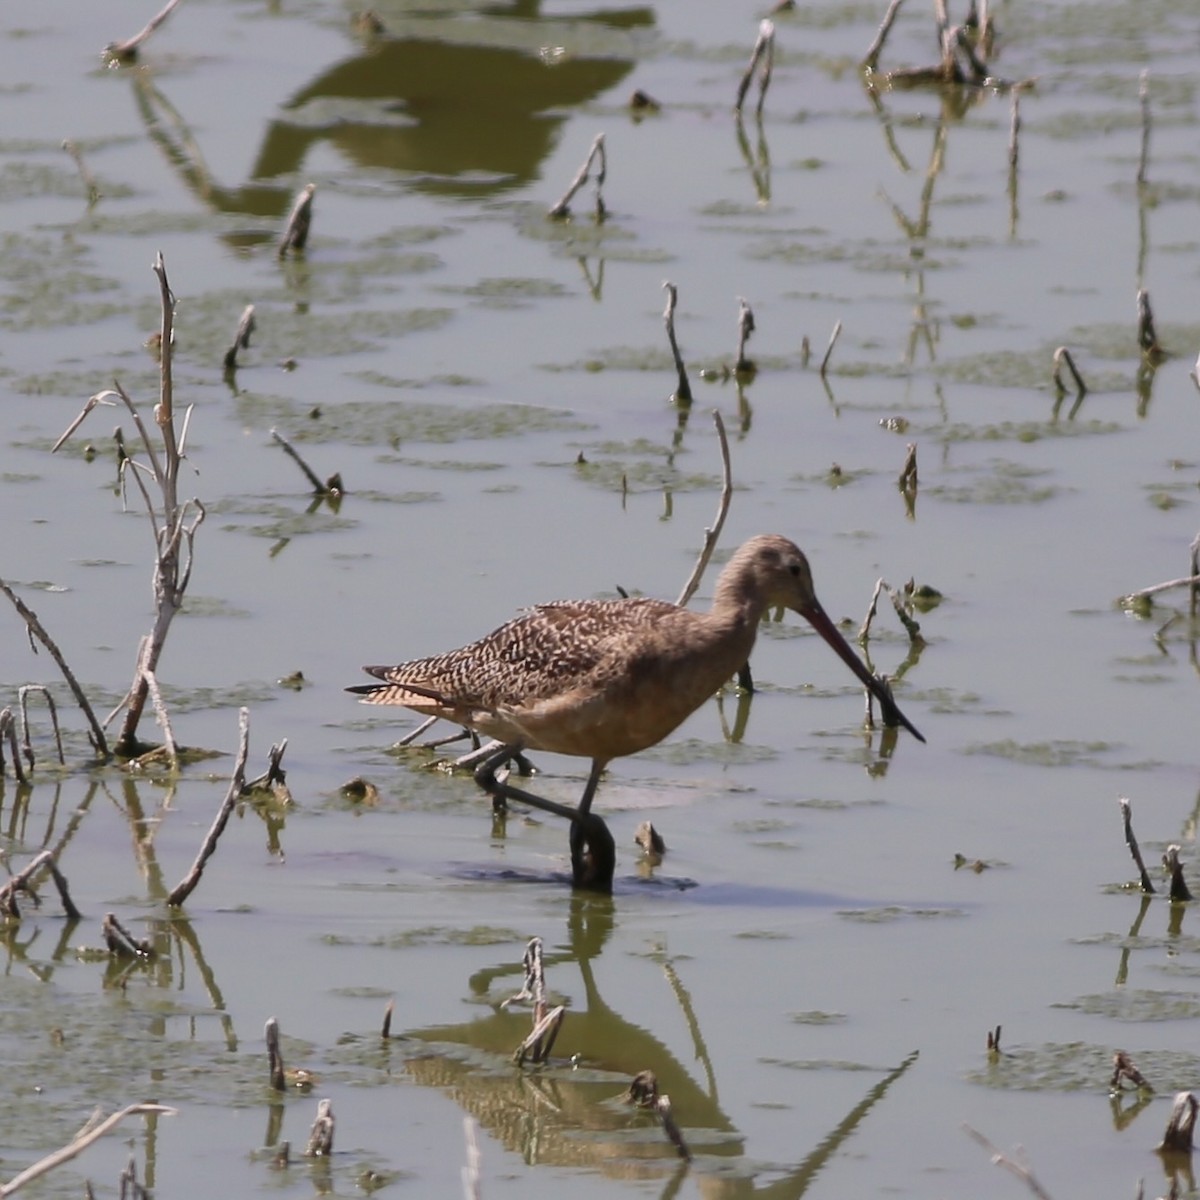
x,y
593,851
475,757
502,791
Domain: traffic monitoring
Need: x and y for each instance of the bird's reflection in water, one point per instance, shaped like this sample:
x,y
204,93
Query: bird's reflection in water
x,y
459,117
572,1112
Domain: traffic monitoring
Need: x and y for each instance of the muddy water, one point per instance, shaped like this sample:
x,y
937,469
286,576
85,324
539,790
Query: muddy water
x,y
807,972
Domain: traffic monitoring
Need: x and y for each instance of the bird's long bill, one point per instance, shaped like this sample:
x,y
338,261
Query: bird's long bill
x,y
819,620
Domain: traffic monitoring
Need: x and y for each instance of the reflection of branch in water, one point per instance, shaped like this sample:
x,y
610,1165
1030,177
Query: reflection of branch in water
x,y
757,163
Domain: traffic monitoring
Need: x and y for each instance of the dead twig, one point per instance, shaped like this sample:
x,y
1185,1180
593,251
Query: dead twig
x,y
23,698
1179,889
833,337
8,729
99,743
121,942
712,534
1062,357
1124,1068
596,154
20,883
127,51
741,364
331,487
683,389
1131,842
1146,336
764,52
320,1139
187,885
643,1092
90,1133
295,233
1177,1138
871,58
241,338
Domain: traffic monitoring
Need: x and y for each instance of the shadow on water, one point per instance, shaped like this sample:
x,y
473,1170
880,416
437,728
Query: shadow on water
x,y
463,119
573,1111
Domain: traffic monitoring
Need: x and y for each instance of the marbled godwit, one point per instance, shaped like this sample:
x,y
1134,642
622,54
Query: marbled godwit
x,y
600,679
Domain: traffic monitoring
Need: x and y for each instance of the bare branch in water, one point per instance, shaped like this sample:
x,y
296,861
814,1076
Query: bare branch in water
x,y
764,52
1131,842
1062,357
833,337
187,885
241,338
563,207
125,52
712,534
683,389
295,233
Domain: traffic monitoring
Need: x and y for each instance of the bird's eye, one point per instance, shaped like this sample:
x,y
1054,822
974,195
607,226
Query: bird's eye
x,y
795,570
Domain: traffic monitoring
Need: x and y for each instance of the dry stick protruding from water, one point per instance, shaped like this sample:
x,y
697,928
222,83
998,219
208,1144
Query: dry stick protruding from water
x,y
1124,1068
34,626
1147,338
764,51
295,233
320,1138
8,730
1177,1138
741,364
1131,841
1144,101
20,883
131,1188
713,532
683,389
907,481
89,180
650,840
833,337
241,338
187,885
643,1092
1062,357
90,1133
121,942
274,778
1171,861
1020,1170
173,524
127,51
280,1078
595,154
911,626
26,744
1189,581
331,487
871,58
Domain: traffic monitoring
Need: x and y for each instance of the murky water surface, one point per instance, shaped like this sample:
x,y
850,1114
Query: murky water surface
x,y
807,972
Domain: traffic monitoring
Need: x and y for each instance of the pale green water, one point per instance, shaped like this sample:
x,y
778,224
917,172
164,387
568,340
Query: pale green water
x,y
463,353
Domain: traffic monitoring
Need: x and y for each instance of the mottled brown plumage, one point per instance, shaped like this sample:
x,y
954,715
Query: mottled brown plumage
x,y
604,678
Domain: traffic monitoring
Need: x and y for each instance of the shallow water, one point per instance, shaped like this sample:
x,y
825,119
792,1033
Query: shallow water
x,y
494,390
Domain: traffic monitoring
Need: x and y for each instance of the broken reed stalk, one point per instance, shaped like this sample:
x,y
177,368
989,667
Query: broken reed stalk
x,y
187,885
295,233
26,743
683,389
907,481
712,534
1014,130
1177,1138
871,58
563,207
1124,1068
833,337
8,730
1062,357
121,942
96,736
1131,841
1188,581
1171,861
643,1092
741,364
241,337
1144,101
764,51
20,883
333,487
1147,338
127,51
537,1046
90,1133
89,180
320,1138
